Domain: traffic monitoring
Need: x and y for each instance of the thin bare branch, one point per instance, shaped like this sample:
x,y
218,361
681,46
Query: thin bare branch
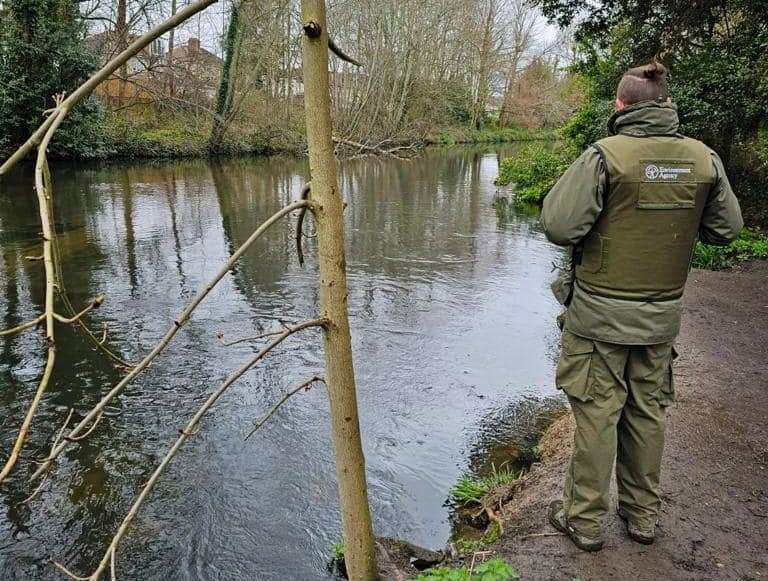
x,y
305,193
341,54
246,339
86,434
56,441
189,430
95,304
43,189
23,327
69,573
304,386
84,424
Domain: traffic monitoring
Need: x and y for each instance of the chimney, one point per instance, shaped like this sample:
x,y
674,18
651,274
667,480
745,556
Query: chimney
x,y
193,45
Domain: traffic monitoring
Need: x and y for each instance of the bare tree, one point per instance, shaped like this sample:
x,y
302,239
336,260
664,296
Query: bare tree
x,y
521,27
328,209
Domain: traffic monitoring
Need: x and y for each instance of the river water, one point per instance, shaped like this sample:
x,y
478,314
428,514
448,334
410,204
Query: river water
x,y
453,329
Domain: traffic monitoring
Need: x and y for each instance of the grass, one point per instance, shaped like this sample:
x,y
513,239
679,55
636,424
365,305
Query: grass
x,y
750,245
338,550
471,489
491,570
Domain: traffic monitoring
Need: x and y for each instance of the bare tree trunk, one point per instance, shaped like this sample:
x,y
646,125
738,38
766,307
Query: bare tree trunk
x,y
169,56
327,206
121,28
478,113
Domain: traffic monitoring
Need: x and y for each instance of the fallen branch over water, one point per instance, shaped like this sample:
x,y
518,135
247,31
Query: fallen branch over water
x,y
87,422
188,431
396,151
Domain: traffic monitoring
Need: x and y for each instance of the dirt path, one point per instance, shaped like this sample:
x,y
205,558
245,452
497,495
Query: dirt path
x,y
715,512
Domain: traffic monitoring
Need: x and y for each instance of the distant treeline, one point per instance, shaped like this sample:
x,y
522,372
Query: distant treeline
x,y
436,70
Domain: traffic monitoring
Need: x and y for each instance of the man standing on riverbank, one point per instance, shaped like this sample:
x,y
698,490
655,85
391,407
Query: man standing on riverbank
x,y
631,207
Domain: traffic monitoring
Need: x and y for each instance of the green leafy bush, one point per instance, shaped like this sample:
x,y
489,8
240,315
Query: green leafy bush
x,y
588,124
492,570
750,244
533,171
471,489
42,54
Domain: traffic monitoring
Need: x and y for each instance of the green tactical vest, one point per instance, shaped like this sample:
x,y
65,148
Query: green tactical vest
x,y
640,248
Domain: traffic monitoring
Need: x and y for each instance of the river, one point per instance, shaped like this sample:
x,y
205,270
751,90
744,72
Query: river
x,y
452,323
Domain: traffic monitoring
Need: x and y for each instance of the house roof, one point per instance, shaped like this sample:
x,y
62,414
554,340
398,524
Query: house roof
x,y
192,50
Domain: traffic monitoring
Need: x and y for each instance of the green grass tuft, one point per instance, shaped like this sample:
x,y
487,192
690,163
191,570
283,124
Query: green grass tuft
x,y
338,551
491,570
471,489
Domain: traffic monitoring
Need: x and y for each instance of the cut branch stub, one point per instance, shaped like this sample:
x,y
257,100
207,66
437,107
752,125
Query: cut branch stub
x,y
312,29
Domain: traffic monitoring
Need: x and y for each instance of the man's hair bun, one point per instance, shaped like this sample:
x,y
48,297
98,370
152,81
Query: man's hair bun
x,y
653,70
644,83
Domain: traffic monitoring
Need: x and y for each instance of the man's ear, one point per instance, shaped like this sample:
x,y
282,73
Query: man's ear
x,y
620,104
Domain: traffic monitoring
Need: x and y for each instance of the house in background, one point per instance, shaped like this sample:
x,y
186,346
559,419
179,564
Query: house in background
x,y
188,72
194,71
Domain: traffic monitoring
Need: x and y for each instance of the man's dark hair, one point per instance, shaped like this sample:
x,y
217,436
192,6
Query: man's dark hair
x,y
644,83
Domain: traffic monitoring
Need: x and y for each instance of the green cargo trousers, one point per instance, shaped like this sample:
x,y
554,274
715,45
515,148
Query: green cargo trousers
x,y
618,395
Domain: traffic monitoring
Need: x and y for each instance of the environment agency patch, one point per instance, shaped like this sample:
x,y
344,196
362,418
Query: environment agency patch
x,y
667,171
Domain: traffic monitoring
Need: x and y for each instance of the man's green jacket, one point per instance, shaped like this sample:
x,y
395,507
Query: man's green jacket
x,y
579,212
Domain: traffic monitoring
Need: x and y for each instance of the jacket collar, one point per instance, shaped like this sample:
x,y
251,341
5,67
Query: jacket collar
x,y
644,119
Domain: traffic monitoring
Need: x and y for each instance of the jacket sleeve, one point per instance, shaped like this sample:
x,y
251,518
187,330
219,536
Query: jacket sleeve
x,y
572,206
721,221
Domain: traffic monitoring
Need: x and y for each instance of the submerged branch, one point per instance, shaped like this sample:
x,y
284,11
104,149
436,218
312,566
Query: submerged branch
x,y
56,441
246,339
304,386
189,430
91,416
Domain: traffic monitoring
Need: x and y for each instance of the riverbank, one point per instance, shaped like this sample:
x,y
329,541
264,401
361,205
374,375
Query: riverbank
x,y
715,480
128,141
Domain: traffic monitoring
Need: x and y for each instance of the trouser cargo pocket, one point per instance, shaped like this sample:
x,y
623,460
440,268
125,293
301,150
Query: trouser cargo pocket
x,y
573,368
667,391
